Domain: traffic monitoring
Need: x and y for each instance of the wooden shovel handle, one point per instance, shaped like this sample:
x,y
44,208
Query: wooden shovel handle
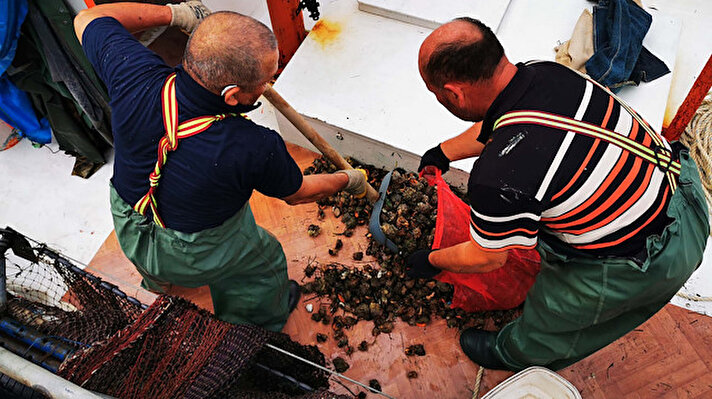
x,y
311,134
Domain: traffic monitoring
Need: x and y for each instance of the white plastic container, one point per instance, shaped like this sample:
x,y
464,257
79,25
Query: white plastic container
x,y
534,383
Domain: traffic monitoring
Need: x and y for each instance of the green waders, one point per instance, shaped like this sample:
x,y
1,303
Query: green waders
x,y
578,306
242,263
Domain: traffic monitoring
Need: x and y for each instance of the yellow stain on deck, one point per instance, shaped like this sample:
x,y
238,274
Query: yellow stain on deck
x,y
670,111
325,32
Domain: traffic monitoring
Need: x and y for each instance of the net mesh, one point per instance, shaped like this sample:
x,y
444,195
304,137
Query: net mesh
x,y
174,349
65,303
170,349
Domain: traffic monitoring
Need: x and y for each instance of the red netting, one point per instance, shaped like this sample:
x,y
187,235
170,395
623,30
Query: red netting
x,y
175,349
56,298
503,288
115,347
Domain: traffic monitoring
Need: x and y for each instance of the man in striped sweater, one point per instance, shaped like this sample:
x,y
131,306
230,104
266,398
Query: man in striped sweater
x,y
565,167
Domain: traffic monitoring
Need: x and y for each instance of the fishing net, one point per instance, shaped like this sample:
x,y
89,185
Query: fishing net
x,y
67,305
112,344
174,349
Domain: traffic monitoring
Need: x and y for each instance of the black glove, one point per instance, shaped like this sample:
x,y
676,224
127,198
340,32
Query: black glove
x,y
418,266
435,157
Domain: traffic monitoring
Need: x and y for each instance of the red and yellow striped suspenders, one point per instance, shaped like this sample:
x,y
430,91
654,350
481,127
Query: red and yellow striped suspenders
x,y
169,142
659,155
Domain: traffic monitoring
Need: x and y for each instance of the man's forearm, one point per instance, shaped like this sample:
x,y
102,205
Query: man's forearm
x,y
464,145
467,257
315,187
134,17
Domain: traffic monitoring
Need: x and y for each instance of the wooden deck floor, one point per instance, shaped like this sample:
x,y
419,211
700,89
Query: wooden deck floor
x,y
670,356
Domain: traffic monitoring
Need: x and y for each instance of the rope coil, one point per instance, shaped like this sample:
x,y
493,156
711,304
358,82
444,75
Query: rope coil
x,y
698,138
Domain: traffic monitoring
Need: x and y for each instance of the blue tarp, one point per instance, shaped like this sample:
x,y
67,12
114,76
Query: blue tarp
x,y
16,110
12,13
15,106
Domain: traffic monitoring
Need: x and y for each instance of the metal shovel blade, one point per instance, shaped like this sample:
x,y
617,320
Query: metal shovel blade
x,y
374,223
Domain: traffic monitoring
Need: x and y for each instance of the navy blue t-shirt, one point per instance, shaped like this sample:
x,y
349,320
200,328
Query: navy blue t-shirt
x,y
210,176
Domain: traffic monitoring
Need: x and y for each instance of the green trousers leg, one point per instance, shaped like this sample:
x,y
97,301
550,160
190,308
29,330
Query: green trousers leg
x,y
243,264
152,283
578,306
259,297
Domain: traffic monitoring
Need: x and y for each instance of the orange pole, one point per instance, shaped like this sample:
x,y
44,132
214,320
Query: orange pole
x,y
288,26
689,107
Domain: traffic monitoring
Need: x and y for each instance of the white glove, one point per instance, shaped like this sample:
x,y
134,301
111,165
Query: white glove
x,y
357,182
188,15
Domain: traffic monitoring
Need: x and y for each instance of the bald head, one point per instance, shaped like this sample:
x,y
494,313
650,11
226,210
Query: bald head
x,y
230,48
464,50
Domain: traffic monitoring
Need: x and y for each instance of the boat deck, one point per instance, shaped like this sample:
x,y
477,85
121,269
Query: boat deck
x,y
670,356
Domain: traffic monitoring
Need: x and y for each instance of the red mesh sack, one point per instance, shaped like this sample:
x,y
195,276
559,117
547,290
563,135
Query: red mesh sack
x,y
503,288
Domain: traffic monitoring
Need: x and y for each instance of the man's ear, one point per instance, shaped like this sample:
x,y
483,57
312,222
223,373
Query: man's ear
x,y
454,93
230,96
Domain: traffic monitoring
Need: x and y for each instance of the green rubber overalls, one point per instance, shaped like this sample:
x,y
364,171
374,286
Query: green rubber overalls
x,y
579,305
243,264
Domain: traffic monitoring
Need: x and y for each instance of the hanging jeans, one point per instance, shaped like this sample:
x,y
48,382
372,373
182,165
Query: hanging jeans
x,y
619,27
